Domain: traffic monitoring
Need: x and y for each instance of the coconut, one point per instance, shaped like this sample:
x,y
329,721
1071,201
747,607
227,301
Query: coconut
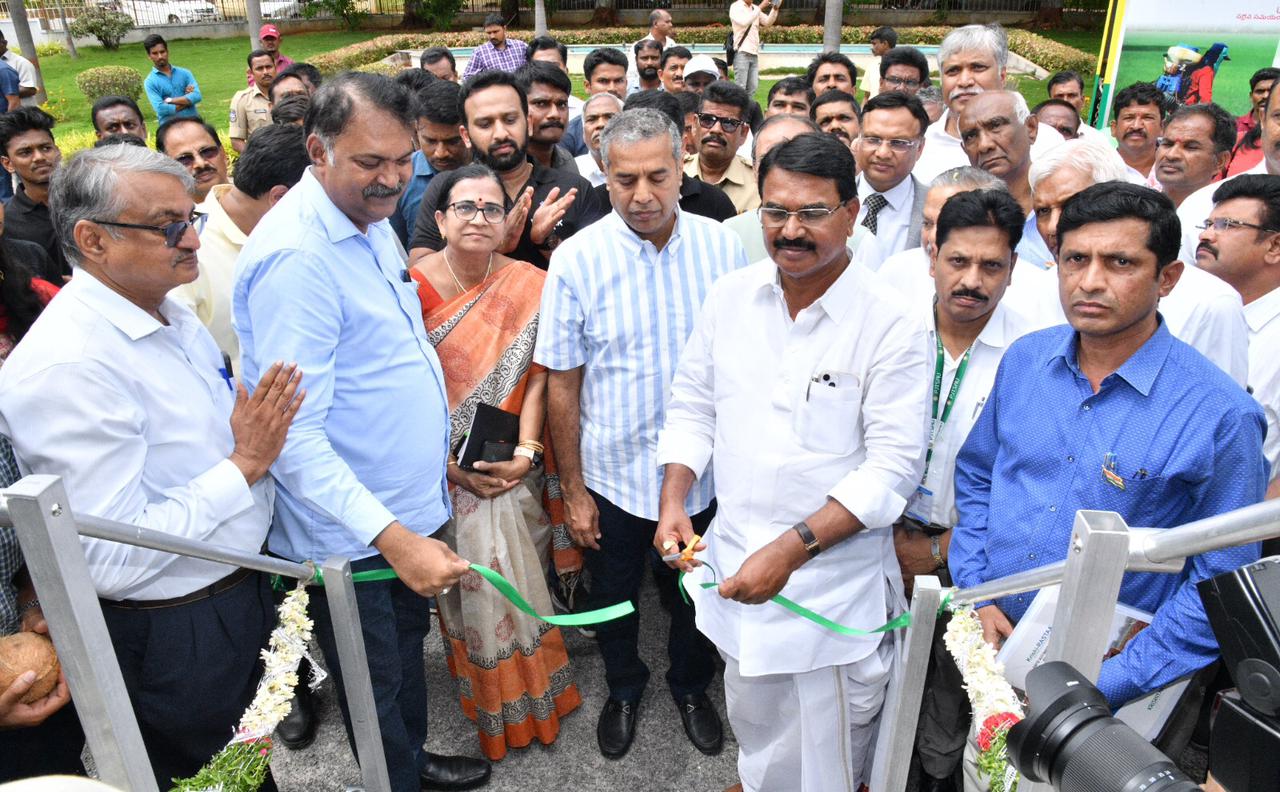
x,y
28,651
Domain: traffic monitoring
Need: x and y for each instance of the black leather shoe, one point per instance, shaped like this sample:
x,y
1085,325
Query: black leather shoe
x,y
930,784
701,723
616,727
298,728
453,772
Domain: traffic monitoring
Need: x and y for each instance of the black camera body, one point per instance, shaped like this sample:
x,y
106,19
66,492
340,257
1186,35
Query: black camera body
x,y
1071,740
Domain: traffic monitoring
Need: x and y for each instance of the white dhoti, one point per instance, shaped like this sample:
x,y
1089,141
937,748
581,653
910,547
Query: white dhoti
x,y
807,732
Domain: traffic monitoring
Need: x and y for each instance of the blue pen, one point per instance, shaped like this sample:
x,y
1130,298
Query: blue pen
x,y
225,371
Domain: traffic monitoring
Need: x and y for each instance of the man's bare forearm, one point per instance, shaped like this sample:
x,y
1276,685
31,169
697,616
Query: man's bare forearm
x,y
677,480
564,389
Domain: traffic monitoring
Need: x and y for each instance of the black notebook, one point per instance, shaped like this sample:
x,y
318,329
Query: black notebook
x,y
492,437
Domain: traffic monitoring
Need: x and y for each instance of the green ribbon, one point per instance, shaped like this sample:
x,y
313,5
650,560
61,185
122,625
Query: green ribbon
x,y
506,589
902,620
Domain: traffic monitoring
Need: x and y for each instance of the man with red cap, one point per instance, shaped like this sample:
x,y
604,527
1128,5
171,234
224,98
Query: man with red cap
x,y
269,35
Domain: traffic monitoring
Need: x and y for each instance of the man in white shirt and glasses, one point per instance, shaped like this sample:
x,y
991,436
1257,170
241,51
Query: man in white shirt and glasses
x,y
893,126
122,392
620,300
801,385
969,326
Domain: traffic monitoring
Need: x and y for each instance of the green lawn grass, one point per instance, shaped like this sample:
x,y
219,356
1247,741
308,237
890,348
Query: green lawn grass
x,y
1142,59
218,65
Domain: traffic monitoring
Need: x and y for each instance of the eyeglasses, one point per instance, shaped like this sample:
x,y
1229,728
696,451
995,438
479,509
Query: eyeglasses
x,y
896,145
173,232
709,120
207,153
1221,224
774,217
466,211
901,82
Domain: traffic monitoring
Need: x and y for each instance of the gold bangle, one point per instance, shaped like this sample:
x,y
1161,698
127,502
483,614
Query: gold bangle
x,y
452,462
532,445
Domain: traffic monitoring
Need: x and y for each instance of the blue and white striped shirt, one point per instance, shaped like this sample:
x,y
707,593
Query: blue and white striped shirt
x,y
623,309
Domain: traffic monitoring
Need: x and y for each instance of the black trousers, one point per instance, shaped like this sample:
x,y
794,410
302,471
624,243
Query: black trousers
x,y
191,670
394,621
52,748
617,568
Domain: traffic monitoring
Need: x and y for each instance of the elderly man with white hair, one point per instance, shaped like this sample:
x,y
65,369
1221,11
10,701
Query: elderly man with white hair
x,y
596,112
971,59
1202,309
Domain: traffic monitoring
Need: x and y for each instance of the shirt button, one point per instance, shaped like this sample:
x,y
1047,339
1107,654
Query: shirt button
x,y
1031,556
1053,508
1070,458
1086,407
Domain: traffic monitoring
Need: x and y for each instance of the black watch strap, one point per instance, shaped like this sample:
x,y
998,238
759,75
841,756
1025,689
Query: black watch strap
x,y
811,545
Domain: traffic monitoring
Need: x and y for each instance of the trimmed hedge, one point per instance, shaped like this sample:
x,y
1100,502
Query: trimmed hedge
x,y
103,81
1040,50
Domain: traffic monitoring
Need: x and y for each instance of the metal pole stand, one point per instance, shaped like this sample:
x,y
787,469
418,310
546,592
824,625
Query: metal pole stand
x,y
926,597
340,591
55,561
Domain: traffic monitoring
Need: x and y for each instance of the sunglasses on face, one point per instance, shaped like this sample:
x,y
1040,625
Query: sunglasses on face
x,y
709,120
207,154
173,232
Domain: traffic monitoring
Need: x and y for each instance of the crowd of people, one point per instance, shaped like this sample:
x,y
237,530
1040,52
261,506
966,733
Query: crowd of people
x,y
454,317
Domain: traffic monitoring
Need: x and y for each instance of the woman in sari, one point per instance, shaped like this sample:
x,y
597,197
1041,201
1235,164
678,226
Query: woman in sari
x,y
481,313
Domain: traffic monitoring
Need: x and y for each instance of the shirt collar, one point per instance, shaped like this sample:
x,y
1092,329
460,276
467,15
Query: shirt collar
x,y
898,195
997,334
634,238
836,302
1142,367
738,172
112,306
337,226
1262,311
218,217
24,200
937,131
421,165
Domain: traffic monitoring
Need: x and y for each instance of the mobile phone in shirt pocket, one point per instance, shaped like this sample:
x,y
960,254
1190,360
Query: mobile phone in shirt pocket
x,y
829,419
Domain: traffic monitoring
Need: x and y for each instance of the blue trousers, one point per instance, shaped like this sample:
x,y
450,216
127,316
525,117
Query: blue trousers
x,y
626,548
394,621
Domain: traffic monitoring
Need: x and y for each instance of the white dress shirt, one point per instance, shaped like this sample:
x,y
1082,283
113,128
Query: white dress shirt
x,y
894,219
793,412
209,295
1197,207
943,152
1005,326
134,416
589,169
575,106
1263,315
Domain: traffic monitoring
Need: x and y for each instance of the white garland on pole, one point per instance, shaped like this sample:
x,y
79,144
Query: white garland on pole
x,y
996,706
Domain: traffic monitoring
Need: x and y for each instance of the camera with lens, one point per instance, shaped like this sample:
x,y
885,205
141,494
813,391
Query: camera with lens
x,y
1071,740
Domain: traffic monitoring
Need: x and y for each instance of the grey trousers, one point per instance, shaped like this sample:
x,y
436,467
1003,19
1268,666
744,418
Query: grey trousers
x,y
746,71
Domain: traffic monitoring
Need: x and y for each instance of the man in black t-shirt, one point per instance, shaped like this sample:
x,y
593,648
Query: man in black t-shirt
x,y
544,205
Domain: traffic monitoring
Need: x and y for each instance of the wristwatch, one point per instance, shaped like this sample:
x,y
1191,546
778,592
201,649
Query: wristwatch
x,y
935,547
811,545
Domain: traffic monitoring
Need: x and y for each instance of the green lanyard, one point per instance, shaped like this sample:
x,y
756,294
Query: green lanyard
x,y
936,423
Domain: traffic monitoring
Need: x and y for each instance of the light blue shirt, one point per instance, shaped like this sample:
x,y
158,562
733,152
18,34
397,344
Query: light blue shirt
x,y
622,309
160,86
406,215
370,443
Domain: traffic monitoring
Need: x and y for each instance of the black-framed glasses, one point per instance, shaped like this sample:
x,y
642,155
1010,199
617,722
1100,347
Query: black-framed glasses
x,y
466,211
896,145
1221,224
207,154
901,82
173,232
709,120
776,217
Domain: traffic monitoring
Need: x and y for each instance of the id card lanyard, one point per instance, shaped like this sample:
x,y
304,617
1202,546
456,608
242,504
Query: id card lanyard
x,y
938,421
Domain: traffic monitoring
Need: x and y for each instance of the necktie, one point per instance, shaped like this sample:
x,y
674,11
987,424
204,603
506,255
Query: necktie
x,y
875,203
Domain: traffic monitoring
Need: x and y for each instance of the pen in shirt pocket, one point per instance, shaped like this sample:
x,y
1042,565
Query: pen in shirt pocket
x,y
225,371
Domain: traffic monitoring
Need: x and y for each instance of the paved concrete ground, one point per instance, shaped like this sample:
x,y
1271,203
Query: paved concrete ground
x,y
660,759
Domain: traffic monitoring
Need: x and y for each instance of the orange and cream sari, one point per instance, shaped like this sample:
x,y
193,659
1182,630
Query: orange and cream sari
x,y
512,670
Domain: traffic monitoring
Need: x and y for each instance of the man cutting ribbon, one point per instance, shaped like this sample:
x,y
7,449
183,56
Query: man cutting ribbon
x,y
802,381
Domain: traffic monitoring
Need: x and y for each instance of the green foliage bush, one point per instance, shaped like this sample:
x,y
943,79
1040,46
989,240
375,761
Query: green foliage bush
x,y
351,14
106,26
109,81
1042,51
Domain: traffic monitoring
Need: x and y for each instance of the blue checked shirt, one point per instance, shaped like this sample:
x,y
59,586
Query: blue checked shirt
x,y
1187,443
370,442
486,56
621,308
160,86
